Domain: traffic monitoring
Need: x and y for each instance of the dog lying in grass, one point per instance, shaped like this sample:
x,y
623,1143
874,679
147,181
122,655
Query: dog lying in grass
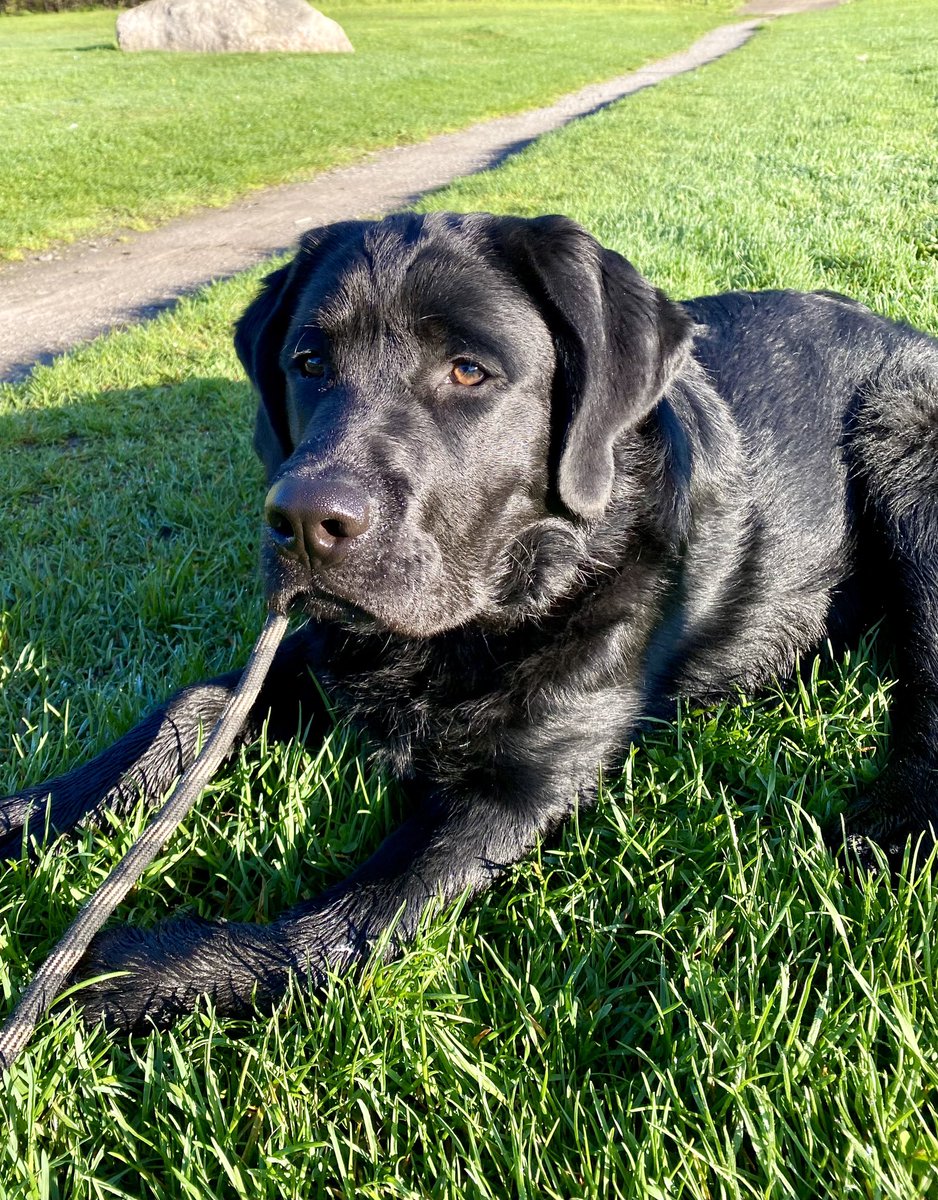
x,y
526,501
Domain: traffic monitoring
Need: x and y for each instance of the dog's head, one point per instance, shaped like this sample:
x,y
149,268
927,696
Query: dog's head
x,y
434,391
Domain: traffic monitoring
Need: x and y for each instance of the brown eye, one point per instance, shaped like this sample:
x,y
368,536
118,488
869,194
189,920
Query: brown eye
x,y
467,373
313,366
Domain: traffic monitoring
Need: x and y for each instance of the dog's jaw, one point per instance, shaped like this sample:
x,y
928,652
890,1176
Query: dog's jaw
x,y
407,594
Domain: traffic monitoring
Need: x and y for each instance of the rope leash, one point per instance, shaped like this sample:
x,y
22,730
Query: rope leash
x,y
54,973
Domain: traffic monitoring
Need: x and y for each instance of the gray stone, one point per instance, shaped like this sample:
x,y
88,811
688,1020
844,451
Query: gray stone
x,y
229,26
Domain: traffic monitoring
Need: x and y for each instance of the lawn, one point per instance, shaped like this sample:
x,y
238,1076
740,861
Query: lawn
x,y
96,141
684,998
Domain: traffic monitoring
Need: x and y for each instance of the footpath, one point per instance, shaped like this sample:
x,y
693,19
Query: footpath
x,y
55,301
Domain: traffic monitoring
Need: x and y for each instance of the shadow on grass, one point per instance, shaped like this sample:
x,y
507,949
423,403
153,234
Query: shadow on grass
x,y
129,534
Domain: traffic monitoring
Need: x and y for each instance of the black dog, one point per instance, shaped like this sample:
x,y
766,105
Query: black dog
x,y
526,500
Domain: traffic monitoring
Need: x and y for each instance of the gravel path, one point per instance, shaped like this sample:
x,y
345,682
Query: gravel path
x,y
52,302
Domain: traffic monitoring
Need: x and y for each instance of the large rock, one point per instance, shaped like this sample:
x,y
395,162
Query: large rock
x,y
229,26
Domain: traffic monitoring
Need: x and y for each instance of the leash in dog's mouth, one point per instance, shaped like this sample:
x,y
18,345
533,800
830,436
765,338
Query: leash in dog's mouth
x,y
54,973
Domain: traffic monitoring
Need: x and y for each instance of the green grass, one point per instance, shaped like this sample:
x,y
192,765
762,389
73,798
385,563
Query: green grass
x,y
95,140
774,167
684,999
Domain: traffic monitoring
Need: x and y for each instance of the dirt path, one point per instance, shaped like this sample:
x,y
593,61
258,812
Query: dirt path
x,y
52,302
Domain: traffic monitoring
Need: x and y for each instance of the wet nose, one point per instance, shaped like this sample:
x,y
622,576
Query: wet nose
x,y
318,517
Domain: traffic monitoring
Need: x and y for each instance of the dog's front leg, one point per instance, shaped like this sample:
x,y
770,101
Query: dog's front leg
x,y
149,758
455,845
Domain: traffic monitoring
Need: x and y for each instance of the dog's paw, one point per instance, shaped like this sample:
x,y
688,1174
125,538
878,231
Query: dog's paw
x,y
140,979
876,833
18,812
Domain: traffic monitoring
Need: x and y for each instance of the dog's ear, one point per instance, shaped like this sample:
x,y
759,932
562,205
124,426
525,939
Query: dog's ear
x,y
259,335
262,329
619,341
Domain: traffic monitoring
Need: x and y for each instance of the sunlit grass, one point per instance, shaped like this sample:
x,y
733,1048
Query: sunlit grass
x,y
95,140
683,998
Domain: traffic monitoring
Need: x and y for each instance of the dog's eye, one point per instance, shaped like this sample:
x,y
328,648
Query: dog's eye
x,y
467,373
313,366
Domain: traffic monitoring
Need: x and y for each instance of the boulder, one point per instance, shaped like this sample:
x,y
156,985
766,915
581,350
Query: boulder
x,y
229,26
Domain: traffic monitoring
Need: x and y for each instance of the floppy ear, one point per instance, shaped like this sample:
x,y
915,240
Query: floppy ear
x,y
258,339
620,342
260,333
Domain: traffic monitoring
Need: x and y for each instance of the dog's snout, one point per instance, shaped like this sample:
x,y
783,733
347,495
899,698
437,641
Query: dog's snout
x,y
319,517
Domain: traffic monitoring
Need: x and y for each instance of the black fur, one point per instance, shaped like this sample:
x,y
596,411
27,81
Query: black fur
x,y
641,500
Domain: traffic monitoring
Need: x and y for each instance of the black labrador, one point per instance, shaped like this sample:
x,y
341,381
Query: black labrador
x,y
525,501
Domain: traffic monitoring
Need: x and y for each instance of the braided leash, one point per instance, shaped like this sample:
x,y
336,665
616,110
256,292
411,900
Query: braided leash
x,y
54,973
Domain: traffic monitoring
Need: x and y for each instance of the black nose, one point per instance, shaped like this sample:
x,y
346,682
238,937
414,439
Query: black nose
x,y
319,516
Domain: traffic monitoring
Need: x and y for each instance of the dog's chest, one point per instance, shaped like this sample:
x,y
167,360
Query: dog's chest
x,y
425,707
459,706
